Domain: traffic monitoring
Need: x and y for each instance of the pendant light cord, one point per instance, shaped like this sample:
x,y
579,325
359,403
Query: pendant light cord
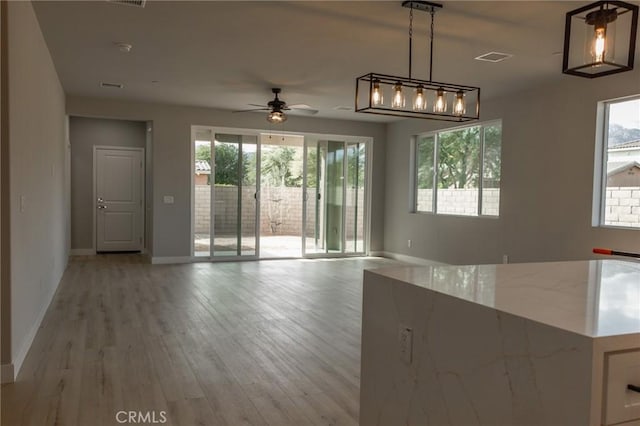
x,y
433,12
410,36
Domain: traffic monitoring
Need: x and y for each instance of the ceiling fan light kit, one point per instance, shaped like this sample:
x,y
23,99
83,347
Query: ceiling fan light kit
x,y
600,39
387,94
277,108
276,117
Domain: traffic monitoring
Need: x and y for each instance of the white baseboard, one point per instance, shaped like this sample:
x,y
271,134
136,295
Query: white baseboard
x,y
6,373
408,259
28,341
166,260
82,252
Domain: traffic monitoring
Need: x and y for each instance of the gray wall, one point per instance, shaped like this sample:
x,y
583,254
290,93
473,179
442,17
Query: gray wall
x,y
172,158
84,134
547,181
37,144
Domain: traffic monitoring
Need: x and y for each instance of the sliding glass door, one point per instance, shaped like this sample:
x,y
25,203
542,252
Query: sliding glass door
x,y
234,195
225,196
334,197
265,195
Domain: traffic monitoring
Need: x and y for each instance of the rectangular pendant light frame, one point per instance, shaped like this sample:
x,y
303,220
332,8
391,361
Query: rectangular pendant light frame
x,y
607,67
364,90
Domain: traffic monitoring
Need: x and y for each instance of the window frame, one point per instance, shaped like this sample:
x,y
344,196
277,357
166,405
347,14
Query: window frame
x,y
436,148
601,159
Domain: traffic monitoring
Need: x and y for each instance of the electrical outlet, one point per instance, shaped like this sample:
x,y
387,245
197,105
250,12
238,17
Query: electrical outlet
x,y
168,199
409,242
505,258
405,340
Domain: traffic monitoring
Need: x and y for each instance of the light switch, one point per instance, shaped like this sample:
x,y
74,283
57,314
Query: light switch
x,y
168,199
23,203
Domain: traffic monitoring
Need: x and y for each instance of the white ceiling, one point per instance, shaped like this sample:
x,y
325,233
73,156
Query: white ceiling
x,y
228,54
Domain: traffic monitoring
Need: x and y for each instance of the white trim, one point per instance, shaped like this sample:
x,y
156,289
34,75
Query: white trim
x,y
407,259
6,374
82,252
166,260
28,340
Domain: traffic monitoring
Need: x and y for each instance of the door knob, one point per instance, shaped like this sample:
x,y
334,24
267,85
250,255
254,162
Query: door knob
x,y
101,207
100,200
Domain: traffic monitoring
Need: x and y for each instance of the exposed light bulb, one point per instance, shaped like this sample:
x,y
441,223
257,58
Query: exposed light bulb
x,y
376,94
276,117
440,104
599,43
459,107
419,100
398,96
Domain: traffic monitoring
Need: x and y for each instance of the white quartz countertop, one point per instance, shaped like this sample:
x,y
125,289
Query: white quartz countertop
x,y
597,298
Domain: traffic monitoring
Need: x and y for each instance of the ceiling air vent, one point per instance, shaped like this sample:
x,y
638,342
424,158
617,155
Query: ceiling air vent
x,y
493,57
111,85
135,3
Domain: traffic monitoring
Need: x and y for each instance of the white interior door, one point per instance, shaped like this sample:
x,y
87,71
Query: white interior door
x,y
119,194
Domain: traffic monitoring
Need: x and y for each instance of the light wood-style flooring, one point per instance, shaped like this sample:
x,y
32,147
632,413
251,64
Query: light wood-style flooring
x,y
242,343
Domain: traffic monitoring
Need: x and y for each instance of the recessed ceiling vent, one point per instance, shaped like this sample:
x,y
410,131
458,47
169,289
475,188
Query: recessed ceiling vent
x,y
135,3
111,85
493,57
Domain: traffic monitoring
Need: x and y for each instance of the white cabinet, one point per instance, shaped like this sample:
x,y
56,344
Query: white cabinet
x,y
622,404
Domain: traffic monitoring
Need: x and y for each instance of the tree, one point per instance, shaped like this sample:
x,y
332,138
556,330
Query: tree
x,y
459,158
276,167
203,152
312,167
227,167
355,165
492,156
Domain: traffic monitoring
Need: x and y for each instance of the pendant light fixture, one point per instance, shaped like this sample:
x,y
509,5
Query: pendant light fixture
x,y
600,39
428,99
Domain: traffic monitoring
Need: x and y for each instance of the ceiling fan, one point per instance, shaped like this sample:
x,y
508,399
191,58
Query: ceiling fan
x,y
277,106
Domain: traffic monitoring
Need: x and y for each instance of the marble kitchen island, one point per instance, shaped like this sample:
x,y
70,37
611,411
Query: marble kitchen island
x,y
540,344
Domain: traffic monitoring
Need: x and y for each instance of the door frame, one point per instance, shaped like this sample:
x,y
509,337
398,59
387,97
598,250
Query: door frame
x,y
143,195
367,140
366,218
233,131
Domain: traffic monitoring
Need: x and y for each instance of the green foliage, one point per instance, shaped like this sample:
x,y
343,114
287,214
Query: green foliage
x,y
492,156
355,165
424,164
459,158
276,167
227,165
312,167
203,152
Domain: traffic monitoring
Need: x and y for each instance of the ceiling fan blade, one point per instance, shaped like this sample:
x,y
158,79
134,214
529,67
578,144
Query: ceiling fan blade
x,y
303,109
258,105
253,109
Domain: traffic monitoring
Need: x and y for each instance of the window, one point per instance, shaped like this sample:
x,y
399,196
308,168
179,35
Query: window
x,y
618,165
457,172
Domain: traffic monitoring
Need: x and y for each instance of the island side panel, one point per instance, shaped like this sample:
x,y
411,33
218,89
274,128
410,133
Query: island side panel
x,y
471,365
